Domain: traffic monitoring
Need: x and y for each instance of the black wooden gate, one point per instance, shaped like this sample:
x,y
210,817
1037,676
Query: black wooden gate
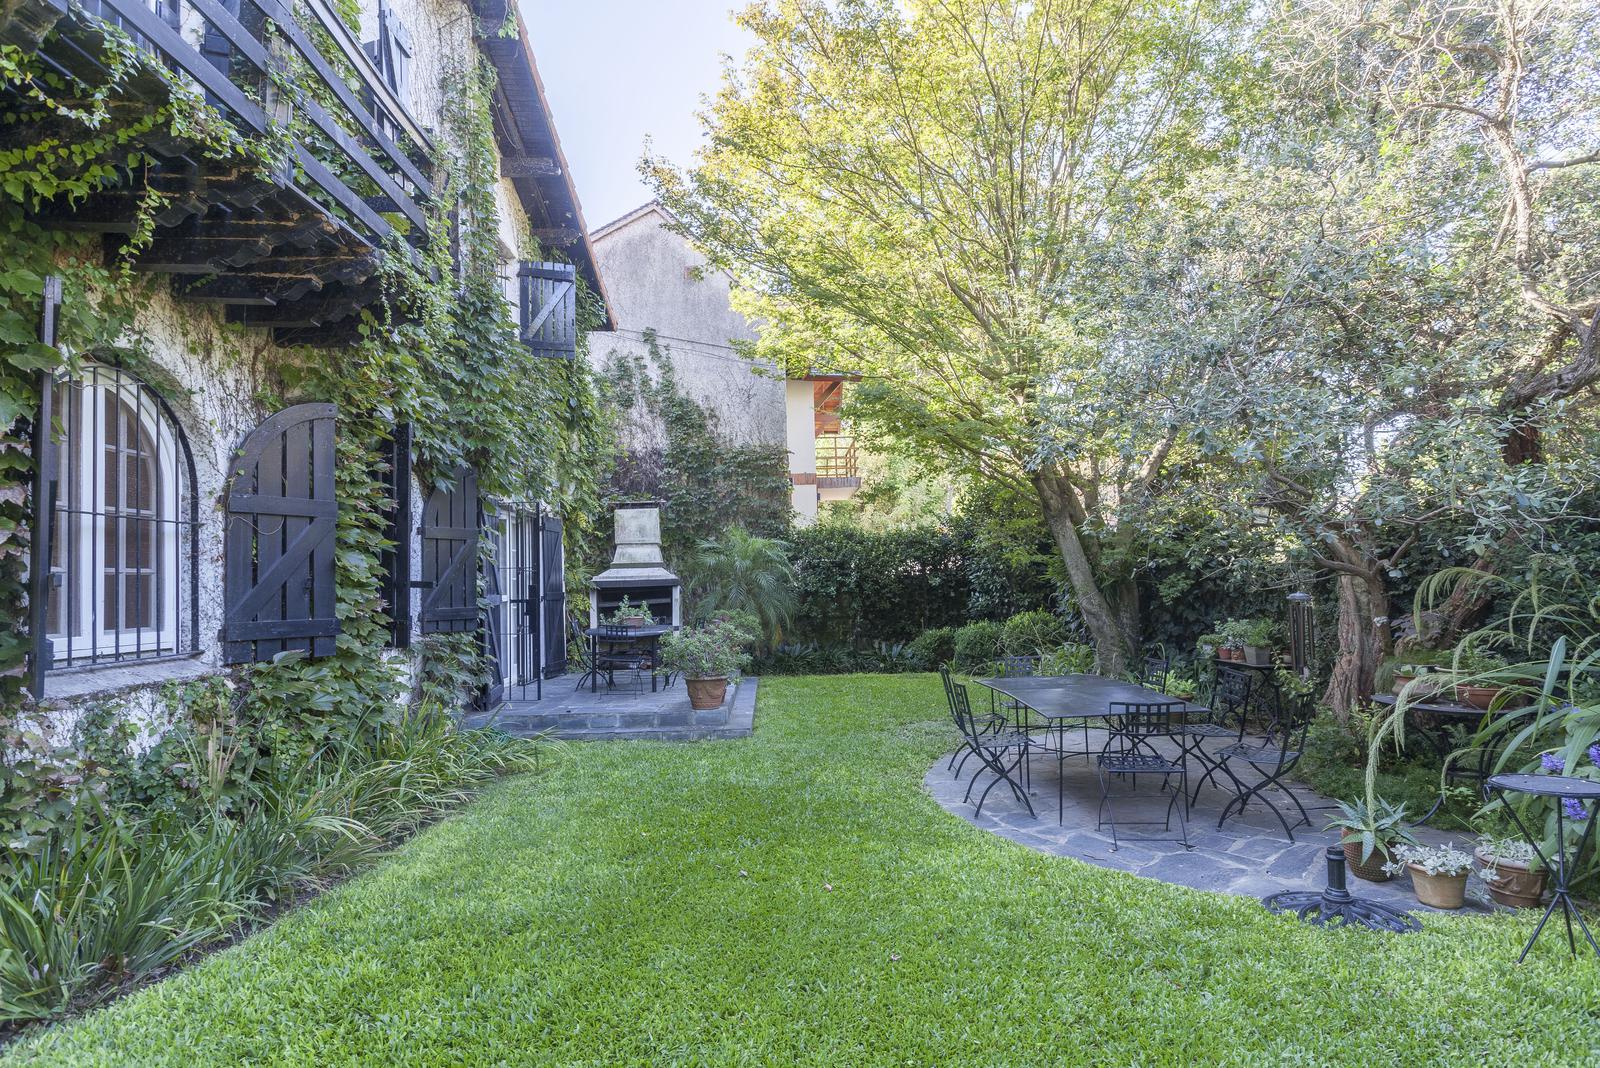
x,y
450,525
494,632
553,596
279,546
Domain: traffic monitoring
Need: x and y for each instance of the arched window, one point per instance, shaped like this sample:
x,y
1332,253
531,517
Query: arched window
x,y
122,540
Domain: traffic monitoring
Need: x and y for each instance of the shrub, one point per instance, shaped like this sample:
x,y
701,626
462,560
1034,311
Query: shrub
x,y
715,651
977,645
932,647
1073,659
1032,633
740,572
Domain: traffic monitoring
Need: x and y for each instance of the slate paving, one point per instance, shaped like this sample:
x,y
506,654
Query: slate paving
x,y
1248,855
574,713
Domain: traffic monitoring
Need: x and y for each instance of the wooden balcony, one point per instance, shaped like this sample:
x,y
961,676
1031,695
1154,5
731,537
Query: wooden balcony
x,y
836,462
295,247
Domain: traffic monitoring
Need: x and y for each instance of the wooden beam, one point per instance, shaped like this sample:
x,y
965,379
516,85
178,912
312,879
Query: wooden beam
x,y
529,167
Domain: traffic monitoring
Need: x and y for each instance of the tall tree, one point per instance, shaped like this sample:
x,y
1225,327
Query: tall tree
x,y
937,194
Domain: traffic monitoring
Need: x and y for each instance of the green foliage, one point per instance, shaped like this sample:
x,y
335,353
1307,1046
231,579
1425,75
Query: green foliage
x,y
716,650
1381,826
721,857
738,571
707,483
932,648
1032,633
1077,658
977,646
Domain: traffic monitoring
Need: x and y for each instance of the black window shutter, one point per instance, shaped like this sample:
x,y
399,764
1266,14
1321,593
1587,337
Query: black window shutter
x,y
553,595
450,531
548,311
395,561
279,568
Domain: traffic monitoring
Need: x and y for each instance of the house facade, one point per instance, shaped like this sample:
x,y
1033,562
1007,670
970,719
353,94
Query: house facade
x,y
283,309
663,295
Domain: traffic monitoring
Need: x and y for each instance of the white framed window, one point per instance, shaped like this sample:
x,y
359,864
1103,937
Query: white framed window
x,y
122,524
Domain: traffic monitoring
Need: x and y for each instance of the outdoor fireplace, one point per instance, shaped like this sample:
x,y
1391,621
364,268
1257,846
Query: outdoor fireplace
x,y
638,571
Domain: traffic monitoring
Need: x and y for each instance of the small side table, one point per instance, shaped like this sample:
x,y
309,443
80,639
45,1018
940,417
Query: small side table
x,y
1561,788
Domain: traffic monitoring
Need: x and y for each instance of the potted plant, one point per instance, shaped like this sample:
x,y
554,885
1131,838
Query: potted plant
x,y
1482,693
1511,871
1209,646
632,616
1258,637
1438,873
1433,680
1230,642
1370,833
707,657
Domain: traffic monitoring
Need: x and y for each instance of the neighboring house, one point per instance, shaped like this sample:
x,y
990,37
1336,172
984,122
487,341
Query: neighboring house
x,y
193,525
661,288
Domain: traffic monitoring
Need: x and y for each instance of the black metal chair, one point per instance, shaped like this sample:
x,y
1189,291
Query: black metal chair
x,y
1154,673
989,724
1230,704
1269,760
1003,752
584,658
617,650
1131,750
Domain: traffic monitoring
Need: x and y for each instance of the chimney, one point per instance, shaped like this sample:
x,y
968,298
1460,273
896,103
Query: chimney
x,y
638,570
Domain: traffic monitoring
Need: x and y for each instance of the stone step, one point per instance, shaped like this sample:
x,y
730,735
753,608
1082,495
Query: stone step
x,y
583,716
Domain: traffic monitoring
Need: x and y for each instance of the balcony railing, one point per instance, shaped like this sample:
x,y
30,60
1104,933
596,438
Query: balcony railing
x,y
288,73
836,462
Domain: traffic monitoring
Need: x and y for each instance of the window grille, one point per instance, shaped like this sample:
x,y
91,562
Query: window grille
x,y
124,534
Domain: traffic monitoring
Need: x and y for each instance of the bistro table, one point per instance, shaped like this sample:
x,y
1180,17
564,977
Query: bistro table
x,y
649,636
1063,699
1444,712
1562,790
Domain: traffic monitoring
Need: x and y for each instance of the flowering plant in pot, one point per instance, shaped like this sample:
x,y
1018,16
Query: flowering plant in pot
x,y
1370,830
1438,873
1511,871
707,657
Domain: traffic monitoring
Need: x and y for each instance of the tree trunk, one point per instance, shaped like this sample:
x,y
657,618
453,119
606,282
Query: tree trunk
x,y
1063,515
1366,635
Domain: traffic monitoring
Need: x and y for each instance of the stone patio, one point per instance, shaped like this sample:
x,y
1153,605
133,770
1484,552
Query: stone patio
x,y
574,713
1249,855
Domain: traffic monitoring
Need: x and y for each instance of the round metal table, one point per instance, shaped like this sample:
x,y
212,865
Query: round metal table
x,y
1560,789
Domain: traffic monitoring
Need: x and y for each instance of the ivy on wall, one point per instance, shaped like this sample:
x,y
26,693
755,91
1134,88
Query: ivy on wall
x,y
706,481
439,350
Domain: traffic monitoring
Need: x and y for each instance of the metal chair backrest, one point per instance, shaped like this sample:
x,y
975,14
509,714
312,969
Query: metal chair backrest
x,y
1018,667
1154,674
1232,691
615,632
1290,721
580,640
962,710
1144,719
949,690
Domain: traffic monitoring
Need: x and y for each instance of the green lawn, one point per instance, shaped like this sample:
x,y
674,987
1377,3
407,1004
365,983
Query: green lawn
x,y
662,904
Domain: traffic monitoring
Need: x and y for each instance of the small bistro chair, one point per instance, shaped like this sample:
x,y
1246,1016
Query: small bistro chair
x,y
616,650
1135,727
1154,674
1269,760
1003,752
1230,703
988,724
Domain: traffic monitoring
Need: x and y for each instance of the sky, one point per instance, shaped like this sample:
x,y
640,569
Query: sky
x,y
618,71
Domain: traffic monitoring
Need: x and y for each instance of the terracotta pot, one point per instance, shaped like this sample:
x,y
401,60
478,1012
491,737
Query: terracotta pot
x,y
1477,696
1228,654
1511,883
1429,687
1440,891
635,624
706,693
1372,870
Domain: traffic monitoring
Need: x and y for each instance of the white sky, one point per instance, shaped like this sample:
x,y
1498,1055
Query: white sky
x,y
617,71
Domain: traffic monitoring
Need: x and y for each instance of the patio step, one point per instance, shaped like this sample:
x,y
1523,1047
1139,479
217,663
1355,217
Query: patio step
x,y
583,716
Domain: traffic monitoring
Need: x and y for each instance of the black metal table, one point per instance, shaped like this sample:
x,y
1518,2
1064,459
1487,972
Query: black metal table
x,y
1442,711
1561,789
650,636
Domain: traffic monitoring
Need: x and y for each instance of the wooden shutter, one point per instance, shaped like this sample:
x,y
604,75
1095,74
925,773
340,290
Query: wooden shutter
x,y
279,547
549,308
553,595
395,561
450,531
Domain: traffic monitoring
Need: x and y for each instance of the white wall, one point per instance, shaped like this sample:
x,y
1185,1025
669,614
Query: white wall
x,y
655,283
